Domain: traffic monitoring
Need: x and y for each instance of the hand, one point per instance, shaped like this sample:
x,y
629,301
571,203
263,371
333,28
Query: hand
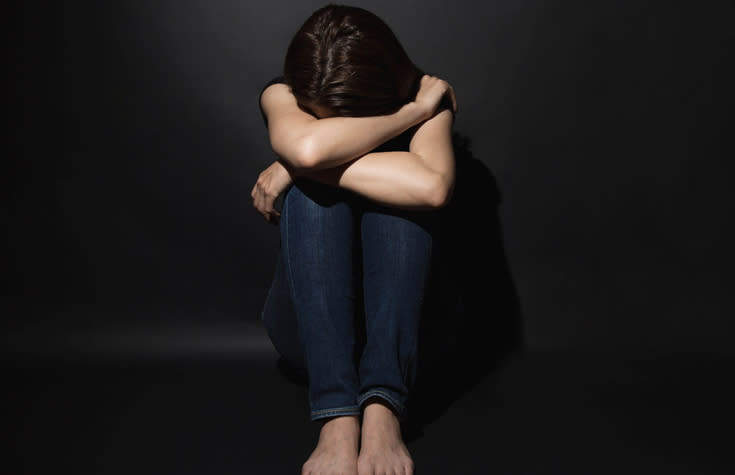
x,y
431,93
271,183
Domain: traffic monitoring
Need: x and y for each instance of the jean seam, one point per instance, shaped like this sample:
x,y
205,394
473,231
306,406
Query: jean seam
x,y
286,257
336,411
384,395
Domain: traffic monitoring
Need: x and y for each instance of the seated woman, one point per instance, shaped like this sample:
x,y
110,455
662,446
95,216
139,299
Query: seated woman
x,y
365,155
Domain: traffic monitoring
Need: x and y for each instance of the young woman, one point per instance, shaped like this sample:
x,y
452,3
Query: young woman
x,y
364,148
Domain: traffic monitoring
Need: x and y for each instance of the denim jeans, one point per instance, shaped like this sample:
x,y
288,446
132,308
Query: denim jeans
x,y
347,262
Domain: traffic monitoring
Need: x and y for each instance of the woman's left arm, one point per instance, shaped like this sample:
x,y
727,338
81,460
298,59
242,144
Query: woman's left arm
x,y
422,178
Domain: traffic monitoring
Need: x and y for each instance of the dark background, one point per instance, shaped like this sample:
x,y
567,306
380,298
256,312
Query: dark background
x,y
135,267
607,126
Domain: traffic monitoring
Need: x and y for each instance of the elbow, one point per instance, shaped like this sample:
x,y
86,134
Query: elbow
x,y
306,155
302,154
439,192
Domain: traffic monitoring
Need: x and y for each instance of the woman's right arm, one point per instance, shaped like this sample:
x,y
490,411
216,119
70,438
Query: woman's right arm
x,y
307,143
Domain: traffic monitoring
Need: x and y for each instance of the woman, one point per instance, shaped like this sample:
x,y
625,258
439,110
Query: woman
x,y
365,154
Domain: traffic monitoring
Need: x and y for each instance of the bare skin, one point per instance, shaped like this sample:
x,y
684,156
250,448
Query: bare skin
x,y
381,447
382,450
421,178
336,451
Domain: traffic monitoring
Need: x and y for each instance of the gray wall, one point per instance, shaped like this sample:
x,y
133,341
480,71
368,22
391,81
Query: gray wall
x,y
606,125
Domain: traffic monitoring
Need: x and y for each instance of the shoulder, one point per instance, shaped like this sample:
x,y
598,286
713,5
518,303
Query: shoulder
x,y
278,100
274,95
274,84
275,80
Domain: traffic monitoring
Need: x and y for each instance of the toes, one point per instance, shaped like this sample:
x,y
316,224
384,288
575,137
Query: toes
x,y
373,467
309,468
365,469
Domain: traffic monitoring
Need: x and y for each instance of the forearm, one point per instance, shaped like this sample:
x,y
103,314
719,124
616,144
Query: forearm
x,y
338,140
326,143
396,179
308,143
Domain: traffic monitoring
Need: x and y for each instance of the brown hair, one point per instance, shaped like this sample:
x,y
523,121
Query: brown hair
x,y
348,60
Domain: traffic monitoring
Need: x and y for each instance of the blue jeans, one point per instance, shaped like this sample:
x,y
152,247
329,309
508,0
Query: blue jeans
x,y
343,260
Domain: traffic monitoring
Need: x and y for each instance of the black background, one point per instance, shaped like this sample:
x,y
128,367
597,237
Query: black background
x,y
135,267
136,139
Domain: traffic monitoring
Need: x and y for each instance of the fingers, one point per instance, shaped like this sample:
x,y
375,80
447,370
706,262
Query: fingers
x,y
273,218
453,96
264,204
441,88
448,90
271,183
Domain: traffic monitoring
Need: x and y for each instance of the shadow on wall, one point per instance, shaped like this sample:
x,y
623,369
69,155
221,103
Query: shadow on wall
x,y
473,320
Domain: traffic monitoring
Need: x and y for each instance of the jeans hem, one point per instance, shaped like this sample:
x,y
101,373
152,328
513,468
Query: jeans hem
x,y
335,412
386,396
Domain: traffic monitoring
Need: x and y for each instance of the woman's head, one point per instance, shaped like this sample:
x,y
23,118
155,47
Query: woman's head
x,y
347,61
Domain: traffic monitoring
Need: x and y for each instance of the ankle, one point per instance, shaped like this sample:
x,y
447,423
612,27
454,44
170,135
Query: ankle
x,y
379,408
343,425
379,401
380,419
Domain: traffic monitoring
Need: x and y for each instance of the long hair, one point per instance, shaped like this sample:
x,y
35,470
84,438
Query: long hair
x,y
349,61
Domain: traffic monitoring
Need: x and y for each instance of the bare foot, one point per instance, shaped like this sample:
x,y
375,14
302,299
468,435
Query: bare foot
x,y
383,451
336,452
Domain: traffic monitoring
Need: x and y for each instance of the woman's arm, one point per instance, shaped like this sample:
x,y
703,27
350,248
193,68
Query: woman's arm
x,y
305,142
422,178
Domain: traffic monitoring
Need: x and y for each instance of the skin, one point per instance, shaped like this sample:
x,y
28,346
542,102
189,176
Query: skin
x,y
337,449
336,151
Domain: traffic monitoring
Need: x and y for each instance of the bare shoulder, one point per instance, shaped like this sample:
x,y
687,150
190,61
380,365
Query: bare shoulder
x,y
276,95
282,109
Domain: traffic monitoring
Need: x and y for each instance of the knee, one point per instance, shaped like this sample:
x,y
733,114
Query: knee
x,y
311,200
413,230
309,193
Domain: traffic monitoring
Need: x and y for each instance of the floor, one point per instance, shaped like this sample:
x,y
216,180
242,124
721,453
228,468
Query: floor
x,y
85,411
